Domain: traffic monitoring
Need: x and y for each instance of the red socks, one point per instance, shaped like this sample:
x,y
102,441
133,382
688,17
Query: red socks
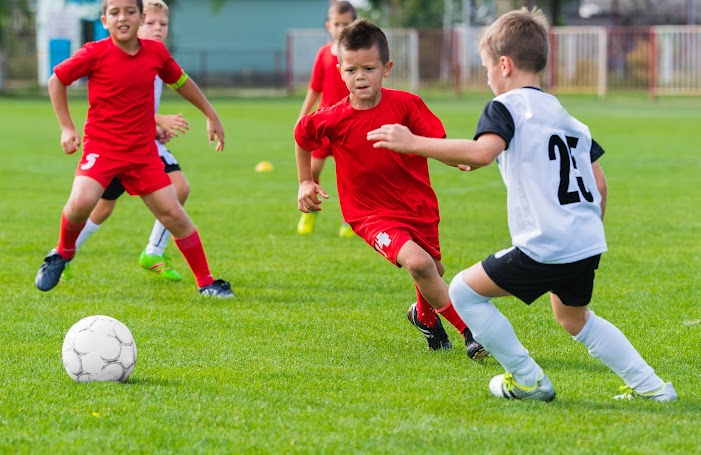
x,y
193,251
67,236
426,314
450,315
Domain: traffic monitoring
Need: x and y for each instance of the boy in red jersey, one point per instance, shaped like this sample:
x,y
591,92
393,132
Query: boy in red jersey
x,y
326,83
119,133
385,197
153,258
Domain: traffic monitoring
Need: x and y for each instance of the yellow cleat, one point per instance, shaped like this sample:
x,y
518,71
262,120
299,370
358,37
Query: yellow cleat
x,y
306,223
346,231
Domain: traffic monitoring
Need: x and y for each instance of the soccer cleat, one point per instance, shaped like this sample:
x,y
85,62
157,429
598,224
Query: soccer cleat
x,y
219,288
475,351
306,223
345,231
505,386
436,336
50,271
67,274
664,393
159,264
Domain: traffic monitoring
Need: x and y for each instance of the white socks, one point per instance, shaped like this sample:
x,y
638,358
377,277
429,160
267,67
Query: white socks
x,y
608,344
158,240
89,229
492,330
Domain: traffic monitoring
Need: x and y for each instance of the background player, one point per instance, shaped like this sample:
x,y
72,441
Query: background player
x,y
326,83
119,133
155,26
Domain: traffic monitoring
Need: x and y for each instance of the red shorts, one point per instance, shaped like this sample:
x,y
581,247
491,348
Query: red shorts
x,y
137,178
324,151
390,239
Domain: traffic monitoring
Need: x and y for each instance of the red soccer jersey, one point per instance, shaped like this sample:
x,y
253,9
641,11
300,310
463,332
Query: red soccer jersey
x,y
120,122
377,184
327,79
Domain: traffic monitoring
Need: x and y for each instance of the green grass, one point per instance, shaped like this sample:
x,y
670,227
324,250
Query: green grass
x,y
315,354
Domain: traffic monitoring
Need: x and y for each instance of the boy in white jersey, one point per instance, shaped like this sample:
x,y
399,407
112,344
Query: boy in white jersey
x,y
153,258
556,193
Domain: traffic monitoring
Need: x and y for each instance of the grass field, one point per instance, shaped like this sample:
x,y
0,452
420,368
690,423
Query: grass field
x,y
315,354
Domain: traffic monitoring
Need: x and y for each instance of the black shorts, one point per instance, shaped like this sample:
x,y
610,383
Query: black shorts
x,y
115,188
521,276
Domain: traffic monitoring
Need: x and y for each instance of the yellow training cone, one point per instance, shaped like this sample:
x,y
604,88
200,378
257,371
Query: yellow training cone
x,y
264,166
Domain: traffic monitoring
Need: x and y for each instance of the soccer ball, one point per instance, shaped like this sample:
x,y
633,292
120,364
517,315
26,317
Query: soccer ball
x,y
99,348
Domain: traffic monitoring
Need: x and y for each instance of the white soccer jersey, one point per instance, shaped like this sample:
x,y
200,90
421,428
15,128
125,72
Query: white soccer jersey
x,y
553,203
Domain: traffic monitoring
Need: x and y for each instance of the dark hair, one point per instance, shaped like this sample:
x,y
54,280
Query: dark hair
x,y
342,8
139,4
363,34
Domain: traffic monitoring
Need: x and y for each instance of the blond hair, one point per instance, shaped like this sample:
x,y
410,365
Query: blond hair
x,y
155,5
521,35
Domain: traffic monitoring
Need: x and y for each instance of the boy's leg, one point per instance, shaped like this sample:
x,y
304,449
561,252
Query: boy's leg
x,y
84,196
608,344
524,379
432,296
167,209
153,257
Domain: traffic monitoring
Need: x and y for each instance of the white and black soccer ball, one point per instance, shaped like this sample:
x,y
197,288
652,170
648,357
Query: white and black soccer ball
x,y
99,348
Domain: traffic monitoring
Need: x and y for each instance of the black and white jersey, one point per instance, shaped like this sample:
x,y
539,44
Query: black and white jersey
x,y
553,203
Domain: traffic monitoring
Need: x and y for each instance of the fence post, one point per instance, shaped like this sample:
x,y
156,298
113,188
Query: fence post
x,y
652,63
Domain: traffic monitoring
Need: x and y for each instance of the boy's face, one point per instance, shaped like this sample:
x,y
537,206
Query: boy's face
x,y
337,22
155,26
363,71
495,77
122,19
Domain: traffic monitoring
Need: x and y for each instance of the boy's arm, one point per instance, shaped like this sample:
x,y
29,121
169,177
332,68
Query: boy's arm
x,y
600,185
309,102
307,199
70,138
191,92
465,153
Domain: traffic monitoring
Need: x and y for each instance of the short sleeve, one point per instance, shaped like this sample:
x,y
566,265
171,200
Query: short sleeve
x,y
170,71
596,151
308,133
423,122
76,66
496,119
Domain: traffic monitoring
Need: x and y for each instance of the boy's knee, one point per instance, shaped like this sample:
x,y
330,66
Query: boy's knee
x,y
462,294
421,267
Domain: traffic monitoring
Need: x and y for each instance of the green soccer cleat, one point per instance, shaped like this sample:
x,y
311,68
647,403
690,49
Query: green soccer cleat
x,y
159,264
306,223
505,386
346,231
664,393
67,274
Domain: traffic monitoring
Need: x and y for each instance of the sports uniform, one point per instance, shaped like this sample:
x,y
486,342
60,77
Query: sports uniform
x,y
120,128
386,197
553,203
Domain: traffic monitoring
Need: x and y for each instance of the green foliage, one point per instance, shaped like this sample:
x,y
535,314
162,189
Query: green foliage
x,y
315,354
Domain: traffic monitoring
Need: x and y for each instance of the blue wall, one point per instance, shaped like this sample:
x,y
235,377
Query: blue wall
x,y
244,37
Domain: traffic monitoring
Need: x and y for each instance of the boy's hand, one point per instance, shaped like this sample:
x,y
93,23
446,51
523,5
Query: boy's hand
x,y
307,199
394,137
215,130
70,141
173,124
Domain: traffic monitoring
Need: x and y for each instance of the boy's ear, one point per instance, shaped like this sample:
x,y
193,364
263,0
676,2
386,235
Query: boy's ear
x,y
506,65
103,19
388,68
